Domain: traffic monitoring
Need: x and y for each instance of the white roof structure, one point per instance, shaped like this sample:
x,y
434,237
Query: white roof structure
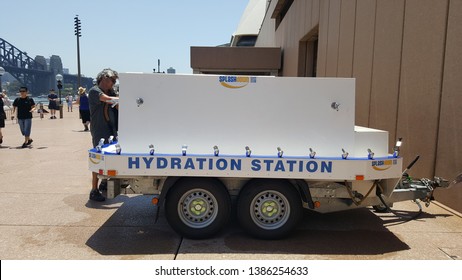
x,y
252,18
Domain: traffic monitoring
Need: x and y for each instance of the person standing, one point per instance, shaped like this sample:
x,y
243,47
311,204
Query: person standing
x,y
52,105
2,114
6,100
25,106
101,97
84,107
69,100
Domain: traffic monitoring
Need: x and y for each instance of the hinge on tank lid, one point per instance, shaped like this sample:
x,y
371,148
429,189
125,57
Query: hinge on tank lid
x,y
139,101
335,106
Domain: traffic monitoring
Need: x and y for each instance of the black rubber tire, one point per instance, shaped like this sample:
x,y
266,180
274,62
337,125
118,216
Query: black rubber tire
x,y
269,209
213,207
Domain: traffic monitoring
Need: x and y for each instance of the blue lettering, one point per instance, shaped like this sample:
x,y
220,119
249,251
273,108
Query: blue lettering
x,y
268,164
176,162
162,163
312,166
291,164
236,164
148,162
222,164
210,164
133,161
326,167
256,165
279,166
201,162
189,164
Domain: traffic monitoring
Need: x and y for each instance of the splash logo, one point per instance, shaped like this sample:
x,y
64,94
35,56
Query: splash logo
x,y
382,165
236,81
95,158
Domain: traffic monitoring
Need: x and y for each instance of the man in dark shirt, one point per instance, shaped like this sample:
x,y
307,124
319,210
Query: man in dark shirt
x,y
25,106
102,118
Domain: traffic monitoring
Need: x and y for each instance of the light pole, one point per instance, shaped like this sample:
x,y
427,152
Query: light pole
x,y
59,80
2,71
78,34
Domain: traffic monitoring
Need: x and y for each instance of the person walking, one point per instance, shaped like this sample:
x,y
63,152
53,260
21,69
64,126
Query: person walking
x,y
101,97
84,107
52,103
69,101
25,106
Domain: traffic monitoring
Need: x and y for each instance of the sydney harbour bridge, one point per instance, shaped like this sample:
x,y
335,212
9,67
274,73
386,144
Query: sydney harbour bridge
x,y
34,73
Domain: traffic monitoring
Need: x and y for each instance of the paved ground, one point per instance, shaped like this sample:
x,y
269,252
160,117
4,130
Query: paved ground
x,y
46,215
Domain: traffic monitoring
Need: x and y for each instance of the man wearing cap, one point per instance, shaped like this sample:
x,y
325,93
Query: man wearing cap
x,y
102,118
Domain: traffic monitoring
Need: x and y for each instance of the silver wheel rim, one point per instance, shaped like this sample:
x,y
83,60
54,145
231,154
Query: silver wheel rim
x,y
197,208
270,210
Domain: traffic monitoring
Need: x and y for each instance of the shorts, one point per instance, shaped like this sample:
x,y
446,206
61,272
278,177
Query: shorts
x,y
53,106
85,114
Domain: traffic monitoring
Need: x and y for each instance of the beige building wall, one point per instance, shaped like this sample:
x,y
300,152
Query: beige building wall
x,y
449,144
406,56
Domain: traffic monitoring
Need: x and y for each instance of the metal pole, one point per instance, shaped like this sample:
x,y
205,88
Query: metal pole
x,y
78,34
60,104
60,86
78,61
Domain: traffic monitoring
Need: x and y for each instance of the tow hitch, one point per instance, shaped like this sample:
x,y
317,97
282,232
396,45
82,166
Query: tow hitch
x,y
408,188
425,185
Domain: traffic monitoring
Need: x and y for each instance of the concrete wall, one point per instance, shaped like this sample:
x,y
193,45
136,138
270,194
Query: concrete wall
x,y
406,57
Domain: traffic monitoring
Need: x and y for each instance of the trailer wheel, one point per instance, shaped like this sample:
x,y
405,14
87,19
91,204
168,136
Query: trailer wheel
x,y
269,209
198,207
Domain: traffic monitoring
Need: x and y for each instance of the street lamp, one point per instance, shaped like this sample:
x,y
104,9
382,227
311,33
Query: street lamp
x,y
78,34
59,79
2,71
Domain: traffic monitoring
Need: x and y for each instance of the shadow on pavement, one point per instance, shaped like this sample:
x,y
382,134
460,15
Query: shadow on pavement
x,y
133,230
353,232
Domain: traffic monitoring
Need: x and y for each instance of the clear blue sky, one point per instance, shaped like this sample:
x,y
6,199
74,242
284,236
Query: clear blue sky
x,y
128,36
